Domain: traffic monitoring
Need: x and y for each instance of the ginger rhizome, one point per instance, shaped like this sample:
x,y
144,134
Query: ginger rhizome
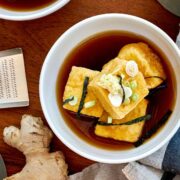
x,y
33,140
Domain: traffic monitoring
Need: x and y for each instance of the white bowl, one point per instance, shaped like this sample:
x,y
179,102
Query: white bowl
x,y
61,49
34,14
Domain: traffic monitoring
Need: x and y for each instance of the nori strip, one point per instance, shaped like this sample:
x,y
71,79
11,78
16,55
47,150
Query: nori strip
x,y
83,96
120,82
163,85
68,100
139,119
158,77
154,129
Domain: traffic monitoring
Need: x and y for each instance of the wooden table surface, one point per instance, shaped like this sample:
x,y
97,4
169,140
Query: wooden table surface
x,y
36,38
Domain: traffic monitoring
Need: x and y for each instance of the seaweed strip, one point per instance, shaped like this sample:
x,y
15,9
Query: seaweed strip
x,y
120,82
68,100
83,96
134,121
158,77
154,129
156,89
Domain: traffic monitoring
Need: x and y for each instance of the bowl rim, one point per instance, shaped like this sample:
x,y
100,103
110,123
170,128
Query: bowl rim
x,y
42,100
35,14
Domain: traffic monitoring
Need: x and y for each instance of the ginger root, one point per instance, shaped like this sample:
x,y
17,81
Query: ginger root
x,y
33,140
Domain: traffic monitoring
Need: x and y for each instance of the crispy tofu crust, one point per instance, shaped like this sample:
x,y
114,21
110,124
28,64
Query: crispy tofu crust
x,y
117,67
74,87
129,133
148,62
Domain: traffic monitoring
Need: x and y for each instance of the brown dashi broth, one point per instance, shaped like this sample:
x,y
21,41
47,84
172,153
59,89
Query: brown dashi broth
x,y
25,5
93,53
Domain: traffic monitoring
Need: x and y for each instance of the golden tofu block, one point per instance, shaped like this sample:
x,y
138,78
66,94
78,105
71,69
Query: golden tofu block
x,y
129,133
74,87
117,67
148,62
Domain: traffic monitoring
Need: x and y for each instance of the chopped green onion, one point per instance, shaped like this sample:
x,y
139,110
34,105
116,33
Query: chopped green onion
x,y
74,101
71,98
109,121
83,96
134,121
135,97
89,104
128,92
133,84
154,129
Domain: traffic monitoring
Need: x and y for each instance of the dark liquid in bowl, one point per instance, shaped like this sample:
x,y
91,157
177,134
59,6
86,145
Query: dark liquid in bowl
x,y
25,5
93,53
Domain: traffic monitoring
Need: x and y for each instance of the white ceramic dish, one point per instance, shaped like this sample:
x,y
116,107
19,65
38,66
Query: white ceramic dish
x,y
29,15
61,49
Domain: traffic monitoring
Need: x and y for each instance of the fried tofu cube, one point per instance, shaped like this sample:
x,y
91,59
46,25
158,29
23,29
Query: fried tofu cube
x,y
148,62
117,67
129,133
74,87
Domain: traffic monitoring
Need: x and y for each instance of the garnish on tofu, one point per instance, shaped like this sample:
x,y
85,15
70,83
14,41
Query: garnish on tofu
x,y
115,99
134,121
111,83
74,87
118,92
71,98
133,84
157,89
154,129
74,101
115,88
89,104
83,96
127,92
114,92
109,120
135,97
131,68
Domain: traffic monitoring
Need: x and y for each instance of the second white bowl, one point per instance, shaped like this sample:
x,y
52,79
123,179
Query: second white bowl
x,y
34,14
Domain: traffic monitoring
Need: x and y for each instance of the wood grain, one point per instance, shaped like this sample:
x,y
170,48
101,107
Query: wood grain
x,y
37,36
